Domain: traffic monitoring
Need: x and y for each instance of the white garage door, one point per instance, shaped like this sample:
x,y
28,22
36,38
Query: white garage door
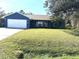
x,y
17,23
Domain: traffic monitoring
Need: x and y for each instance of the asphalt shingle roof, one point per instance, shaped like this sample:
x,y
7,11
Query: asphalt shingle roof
x,y
33,17
39,17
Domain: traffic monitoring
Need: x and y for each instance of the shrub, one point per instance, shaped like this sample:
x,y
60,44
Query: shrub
x,y
68,26
73,31
76,32
19,54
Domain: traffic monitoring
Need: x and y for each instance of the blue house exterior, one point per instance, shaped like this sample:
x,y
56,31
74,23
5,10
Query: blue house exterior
x,y
17,20
16,16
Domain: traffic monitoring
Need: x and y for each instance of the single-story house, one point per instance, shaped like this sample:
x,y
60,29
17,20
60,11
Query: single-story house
x,y
1,22
18,20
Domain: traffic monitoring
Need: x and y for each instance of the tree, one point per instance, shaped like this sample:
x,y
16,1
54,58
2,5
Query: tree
x,y
55,6
22,11
62,7
2,13
75,19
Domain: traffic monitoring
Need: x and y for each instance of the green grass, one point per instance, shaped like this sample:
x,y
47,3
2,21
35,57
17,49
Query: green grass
x,y
54,42
47,57
73,31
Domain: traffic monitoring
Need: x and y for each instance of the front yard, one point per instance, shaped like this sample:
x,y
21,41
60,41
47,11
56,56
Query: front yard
x,y
52,42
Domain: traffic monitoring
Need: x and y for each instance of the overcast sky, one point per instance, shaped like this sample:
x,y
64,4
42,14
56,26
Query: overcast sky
x,y
35,6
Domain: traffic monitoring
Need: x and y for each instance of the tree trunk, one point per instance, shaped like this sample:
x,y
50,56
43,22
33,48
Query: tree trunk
x,y
78,23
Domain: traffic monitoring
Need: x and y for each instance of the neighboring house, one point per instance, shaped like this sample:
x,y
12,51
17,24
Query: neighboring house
x,y
1,22
17,20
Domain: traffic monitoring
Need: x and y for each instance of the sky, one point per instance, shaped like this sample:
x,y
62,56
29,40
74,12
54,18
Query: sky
x,y
34,6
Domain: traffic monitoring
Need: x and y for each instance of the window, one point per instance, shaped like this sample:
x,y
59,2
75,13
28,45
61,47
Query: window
x,y
39,24
45,24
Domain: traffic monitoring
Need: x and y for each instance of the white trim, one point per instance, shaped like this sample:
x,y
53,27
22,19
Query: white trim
x,y
14,13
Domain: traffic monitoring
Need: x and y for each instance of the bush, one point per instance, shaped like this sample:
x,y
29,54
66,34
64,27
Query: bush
x,y
76,32
68,26
19,54
1,25
73,31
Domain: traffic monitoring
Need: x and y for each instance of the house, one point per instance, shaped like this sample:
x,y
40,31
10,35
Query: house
x,y
18,20
1,22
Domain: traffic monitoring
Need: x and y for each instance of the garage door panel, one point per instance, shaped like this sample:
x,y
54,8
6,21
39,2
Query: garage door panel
x,y
17,23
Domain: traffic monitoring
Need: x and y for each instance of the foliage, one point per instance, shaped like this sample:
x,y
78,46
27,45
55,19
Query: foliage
x,y
74,32
53,42
68,57
2,13
64,9
68,26
1,25
57,22
22,11
76,15
61,5
56,18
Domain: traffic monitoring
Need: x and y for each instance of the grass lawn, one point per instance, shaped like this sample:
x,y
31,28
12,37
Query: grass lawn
x,y
54,42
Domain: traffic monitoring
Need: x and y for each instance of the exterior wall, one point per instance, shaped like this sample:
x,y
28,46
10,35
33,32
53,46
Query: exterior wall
x,y
58,24
50,24
28,23
5,22
0,22
33,24
16,16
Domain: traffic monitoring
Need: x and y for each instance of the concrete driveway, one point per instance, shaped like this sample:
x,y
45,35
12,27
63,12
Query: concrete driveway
x,y
5,32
